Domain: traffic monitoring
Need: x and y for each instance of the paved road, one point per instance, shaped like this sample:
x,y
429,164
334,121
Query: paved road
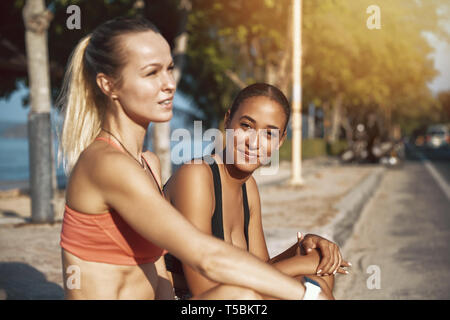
x,y
402,236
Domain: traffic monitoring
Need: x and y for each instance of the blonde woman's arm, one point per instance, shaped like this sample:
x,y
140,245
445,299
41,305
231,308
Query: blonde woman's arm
x,y
128,190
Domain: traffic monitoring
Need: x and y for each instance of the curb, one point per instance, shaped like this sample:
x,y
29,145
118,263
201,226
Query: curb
x,y
341,226
350,208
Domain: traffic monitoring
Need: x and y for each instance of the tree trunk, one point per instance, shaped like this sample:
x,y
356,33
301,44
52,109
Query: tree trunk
x,y
336,117
161,131
326,120
37,20
285,65
348,129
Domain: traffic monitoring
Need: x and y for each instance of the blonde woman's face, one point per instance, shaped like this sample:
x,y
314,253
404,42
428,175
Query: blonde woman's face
x,y
147,85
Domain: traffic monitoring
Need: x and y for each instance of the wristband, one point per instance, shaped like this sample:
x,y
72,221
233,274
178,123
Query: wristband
x,y
312,289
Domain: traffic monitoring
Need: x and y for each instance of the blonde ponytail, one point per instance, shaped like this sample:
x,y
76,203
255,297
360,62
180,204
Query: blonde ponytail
x,y
82,103
82,109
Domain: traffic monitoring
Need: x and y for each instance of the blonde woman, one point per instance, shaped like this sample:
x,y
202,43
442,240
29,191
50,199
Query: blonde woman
x,y
117,225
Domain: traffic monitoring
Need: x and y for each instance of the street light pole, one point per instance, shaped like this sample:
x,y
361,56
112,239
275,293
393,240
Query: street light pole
x,y
296,178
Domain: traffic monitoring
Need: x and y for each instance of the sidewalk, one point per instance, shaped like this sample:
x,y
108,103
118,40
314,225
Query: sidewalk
x,y
327,204
30,257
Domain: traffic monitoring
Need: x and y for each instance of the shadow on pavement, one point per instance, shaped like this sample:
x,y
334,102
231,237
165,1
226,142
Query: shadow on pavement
x,y
20,281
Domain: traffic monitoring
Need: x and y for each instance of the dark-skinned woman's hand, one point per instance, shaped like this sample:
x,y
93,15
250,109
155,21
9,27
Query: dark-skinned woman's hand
x,y
331,261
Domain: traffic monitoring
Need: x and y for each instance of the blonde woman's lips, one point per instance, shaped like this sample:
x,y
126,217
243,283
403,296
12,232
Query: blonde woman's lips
x,y
166,103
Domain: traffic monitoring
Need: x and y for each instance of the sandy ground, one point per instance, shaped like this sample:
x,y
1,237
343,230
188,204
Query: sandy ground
x,y
30,262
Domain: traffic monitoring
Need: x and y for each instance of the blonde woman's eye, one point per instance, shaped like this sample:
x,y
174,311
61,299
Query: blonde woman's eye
x,y
152,73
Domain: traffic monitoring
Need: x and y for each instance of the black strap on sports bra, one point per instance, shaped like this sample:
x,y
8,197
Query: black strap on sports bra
x,y
172,263
217,218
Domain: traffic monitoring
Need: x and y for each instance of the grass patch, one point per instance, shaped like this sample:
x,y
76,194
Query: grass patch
x,y
312,148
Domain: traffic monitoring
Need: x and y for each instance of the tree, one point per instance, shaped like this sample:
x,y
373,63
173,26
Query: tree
x,y
349,68
37,20
360,70
444,101
170,16
232,44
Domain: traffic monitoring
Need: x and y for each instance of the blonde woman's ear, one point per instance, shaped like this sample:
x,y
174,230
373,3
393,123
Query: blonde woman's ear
x,y
106,85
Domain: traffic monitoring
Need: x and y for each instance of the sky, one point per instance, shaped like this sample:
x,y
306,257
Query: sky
x,y
442,63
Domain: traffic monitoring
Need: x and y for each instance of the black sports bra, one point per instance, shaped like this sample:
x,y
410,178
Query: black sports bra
x,y
172,263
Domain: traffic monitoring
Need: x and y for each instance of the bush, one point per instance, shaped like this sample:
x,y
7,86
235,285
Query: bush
x,y
312,148
337,148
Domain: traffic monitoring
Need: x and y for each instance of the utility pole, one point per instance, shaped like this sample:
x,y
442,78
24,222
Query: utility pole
x,y
296,178
37,19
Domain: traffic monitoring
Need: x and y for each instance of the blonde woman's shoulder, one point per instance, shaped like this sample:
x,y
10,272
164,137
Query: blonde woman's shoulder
x,y
95,169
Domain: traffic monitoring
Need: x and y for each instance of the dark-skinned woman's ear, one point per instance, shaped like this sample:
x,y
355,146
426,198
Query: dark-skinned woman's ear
x,y
226,119
282,139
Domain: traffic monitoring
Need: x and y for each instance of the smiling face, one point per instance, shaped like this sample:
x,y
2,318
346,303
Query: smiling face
x,y
147,85
258,129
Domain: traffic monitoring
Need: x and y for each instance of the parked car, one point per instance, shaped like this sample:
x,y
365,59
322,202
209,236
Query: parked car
x,y
437,136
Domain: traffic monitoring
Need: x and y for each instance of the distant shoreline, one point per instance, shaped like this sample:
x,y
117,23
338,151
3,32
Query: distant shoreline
x,y
6,185
10,185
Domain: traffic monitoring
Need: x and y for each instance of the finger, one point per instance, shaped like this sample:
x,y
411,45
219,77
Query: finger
x,y
324,262
345,264
327,268
337,260
308,244
299,240
341,259
342,271
297,248
299,236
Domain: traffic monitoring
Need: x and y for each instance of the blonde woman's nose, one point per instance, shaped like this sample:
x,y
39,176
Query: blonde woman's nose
x,y
168,82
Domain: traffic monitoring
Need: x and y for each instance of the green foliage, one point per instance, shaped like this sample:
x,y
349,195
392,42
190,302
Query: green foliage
x,y
384,71
336,148
312,148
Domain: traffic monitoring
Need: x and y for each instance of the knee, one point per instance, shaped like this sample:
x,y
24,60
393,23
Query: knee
x,y
249,294
240,293
326,288
329,280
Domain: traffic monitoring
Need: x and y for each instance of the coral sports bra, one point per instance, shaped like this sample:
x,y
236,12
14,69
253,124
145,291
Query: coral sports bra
x,y
106,237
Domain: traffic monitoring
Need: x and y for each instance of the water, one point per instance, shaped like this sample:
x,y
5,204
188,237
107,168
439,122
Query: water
x,y
14,158
14,164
